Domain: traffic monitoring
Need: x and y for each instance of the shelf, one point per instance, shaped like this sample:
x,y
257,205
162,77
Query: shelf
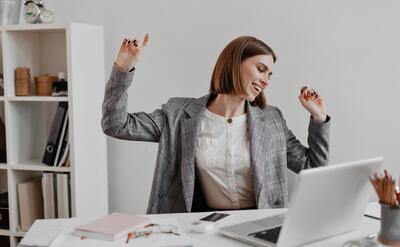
x,y
38,27
38,98
4,232
38,166
19,234
3,166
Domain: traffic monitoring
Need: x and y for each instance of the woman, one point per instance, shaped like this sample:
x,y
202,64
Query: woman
x,y
225,150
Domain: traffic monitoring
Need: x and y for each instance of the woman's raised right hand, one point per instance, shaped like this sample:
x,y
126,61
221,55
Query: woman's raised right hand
x,y
129,52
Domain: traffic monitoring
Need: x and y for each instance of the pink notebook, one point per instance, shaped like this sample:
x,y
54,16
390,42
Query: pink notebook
x,y
111,227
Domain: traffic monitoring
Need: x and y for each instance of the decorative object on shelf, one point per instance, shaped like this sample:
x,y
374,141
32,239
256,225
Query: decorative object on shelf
x,y
9,11
35,12
22,81
44,85
60,87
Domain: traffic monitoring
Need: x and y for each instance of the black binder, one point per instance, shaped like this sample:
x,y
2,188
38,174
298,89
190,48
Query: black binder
x,y
55,133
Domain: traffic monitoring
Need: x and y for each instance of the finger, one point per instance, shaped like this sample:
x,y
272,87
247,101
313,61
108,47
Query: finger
x,y
129,43
135,42
303,93
124,43
311,93
303,100
146,39
302,89
307,94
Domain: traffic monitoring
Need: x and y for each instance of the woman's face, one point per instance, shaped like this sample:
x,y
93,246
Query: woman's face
x,y
256,73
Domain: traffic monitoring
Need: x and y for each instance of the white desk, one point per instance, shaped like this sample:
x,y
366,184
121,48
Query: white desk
x,y
367,227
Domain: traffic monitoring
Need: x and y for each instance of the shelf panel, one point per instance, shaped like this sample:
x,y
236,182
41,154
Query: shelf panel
x,y
36,27
38,166
3,166
4,232
38,98
19,234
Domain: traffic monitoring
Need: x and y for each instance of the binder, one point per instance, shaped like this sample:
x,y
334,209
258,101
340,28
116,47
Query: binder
x,y
49,195
55,133
30,202
63,195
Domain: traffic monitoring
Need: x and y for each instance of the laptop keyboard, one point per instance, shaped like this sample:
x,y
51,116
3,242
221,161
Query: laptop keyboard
x,y
270,235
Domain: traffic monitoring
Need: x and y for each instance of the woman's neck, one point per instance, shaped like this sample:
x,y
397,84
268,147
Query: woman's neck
x,y
227,105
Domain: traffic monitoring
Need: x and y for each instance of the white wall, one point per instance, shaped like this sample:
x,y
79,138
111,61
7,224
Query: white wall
x,y
348,50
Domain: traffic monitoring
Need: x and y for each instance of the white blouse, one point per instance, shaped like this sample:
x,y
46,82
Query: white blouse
x,y
223,162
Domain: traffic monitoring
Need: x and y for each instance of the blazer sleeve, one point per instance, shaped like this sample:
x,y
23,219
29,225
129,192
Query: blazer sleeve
x,y
317,154
117,122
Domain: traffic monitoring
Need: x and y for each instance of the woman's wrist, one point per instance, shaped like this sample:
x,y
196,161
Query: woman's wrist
x,y
320,118
121,67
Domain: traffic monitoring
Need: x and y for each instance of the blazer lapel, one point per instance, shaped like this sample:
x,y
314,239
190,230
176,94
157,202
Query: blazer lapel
x,y
190,129
259,131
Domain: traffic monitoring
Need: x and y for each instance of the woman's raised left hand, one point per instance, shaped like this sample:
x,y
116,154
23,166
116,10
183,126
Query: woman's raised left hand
x,y
313,103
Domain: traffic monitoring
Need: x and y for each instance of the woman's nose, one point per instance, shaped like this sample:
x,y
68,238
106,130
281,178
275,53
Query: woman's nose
x,y
265,82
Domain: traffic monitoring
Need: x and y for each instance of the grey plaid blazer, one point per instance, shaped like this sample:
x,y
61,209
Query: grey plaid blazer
x,y
176,126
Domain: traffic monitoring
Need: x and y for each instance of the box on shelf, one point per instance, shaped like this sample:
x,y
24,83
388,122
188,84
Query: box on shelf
x,y
4,220
44,84
4,241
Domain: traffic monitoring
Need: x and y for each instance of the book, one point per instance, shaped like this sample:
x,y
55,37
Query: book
x,y
30,202
63,195
111,227
3,153
49,195
55,133
3,181
61,139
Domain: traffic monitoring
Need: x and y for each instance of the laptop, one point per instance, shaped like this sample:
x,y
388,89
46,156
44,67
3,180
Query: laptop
x,y
326,201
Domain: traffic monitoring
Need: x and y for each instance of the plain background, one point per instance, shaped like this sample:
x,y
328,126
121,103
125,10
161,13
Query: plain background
x,y
347,50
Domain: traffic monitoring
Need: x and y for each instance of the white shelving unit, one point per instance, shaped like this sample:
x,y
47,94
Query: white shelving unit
x,y
77,49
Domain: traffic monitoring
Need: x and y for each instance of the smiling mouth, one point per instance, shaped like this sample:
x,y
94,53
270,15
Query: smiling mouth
x,y
256,87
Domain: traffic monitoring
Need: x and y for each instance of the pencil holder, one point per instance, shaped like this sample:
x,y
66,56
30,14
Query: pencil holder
x,y
44,85
22,81
390,225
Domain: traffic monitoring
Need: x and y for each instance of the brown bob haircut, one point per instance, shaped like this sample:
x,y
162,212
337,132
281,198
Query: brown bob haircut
x,y
226,78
